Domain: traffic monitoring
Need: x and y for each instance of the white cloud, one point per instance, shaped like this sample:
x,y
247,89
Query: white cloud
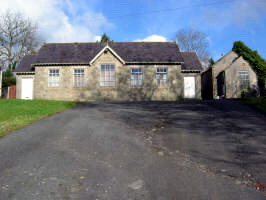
x,y
60,20
153,38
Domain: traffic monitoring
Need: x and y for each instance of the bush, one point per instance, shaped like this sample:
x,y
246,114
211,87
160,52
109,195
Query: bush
x,y
8,79
244,94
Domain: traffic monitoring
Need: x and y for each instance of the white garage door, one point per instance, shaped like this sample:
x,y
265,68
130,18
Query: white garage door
x,y
27,88
189,87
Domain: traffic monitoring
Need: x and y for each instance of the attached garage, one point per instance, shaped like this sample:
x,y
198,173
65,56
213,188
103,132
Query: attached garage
x,y
191,70
25,75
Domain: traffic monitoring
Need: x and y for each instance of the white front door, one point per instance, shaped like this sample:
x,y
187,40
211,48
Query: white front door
x,y
189,87
27,88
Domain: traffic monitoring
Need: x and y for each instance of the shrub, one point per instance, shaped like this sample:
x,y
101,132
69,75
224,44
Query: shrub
x,y
8,79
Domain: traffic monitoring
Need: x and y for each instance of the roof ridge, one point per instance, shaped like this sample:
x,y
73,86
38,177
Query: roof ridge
x,y
103,42
73,43
146,42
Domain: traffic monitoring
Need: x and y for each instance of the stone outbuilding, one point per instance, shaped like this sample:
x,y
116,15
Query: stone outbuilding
x,y
229,77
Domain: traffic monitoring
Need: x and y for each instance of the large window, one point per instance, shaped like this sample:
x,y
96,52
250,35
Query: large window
x,y
53,78
161,76
243,80
136,77
107,76
79,78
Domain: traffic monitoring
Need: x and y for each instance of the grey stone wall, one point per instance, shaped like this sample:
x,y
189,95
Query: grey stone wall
x,y
232,78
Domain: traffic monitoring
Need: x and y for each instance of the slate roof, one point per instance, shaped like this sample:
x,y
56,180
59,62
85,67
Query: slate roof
x,y
68,52
191,61
148,52
25,64
130,52
136,52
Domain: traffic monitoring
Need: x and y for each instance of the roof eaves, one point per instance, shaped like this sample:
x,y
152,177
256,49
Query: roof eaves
x,y
130,63
58,64
33,72
190,70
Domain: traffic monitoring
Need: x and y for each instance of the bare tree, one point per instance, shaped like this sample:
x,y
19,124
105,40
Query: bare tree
x,y
18,36
194,40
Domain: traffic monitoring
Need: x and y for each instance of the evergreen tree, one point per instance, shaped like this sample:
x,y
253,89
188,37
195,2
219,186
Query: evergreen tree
x,y
105,38
211,62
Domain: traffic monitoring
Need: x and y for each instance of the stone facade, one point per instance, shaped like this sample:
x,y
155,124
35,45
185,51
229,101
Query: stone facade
x,y
230,65
122,91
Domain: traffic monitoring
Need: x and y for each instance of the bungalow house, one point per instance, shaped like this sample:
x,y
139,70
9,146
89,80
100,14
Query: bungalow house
x,y
229,77
109,71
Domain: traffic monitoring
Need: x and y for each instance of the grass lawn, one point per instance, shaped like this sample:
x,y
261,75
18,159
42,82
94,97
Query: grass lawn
x,y
259,103
15,113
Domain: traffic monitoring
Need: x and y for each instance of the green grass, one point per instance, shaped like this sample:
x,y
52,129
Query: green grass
x,y
257,102
15,113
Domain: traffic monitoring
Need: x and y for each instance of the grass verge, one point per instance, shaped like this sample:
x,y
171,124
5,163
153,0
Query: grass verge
x,y
257,102
16,113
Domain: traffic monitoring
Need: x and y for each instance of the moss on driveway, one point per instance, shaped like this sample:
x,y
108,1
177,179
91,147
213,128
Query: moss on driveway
x,y
15,113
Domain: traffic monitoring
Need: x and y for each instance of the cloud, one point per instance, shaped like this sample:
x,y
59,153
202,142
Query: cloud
x,y
60,20
153,38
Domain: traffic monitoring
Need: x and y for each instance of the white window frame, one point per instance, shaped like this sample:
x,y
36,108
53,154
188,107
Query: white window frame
x,y
103,81
136,76
161,76
243,79
54,77
79,72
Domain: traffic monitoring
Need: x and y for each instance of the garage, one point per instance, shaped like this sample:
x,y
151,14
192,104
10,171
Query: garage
x,y
27,88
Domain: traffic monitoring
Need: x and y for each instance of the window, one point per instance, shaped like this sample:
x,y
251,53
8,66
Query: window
x,y
53,78
243,80
161,76
136,77
107,76
79,78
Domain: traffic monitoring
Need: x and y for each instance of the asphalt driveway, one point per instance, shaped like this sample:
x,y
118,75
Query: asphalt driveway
x,y
160,150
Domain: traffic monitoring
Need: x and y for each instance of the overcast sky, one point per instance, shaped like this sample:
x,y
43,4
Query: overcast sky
x,y
224,21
